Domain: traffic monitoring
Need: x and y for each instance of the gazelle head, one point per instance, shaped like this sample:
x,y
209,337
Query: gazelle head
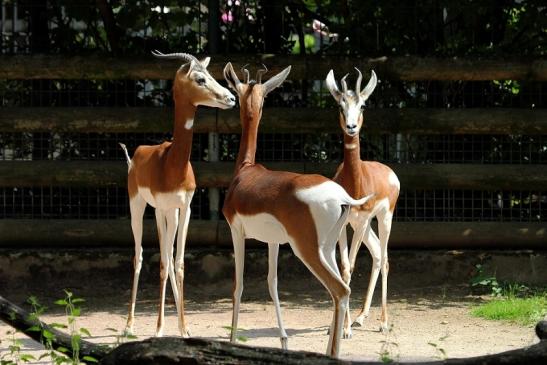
x,y
194,82
351,102
252,92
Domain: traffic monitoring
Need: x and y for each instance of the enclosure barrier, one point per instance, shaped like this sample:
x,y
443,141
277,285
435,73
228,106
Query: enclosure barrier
x,y
80,173
176,350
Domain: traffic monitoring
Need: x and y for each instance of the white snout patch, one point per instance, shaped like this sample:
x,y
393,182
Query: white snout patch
x,y
189,124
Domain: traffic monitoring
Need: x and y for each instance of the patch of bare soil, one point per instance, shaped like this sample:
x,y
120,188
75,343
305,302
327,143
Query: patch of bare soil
x,y
426,323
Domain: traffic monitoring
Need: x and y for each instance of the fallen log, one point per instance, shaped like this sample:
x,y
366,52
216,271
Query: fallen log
x,y
21,320
177,350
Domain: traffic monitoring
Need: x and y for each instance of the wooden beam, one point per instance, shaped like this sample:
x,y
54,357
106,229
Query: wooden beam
x,y
117,232
311,67
219,174
278,120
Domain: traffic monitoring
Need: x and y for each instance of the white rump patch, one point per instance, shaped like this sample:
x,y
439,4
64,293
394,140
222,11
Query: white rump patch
x,y
393,180
325,202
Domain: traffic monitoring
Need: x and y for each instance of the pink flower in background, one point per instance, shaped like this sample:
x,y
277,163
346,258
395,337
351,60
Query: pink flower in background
x,y
227,17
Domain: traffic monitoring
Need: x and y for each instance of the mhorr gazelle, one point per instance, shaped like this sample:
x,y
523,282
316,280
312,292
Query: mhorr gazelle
x,y
307,211
360,178
161,175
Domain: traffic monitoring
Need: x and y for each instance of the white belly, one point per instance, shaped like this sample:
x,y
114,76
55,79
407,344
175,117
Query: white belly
x,y
263,227
165,201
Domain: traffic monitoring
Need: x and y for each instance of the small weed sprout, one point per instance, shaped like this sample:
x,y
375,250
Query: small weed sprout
x,y
440,353
240,338
14,356
389,351
121,337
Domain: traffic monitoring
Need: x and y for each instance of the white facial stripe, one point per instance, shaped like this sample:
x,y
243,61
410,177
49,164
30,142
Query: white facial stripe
x,y
189,124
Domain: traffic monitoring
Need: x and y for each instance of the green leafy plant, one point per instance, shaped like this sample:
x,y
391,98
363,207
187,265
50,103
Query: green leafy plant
x,y
59,355
482,280
14,356
514,302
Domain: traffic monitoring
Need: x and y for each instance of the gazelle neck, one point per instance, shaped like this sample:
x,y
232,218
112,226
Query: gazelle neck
x,y
179,155
247,145
352,164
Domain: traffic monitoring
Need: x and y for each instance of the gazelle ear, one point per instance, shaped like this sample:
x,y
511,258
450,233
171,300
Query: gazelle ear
x,y
205,62
333,88
276,81
231,77
370,86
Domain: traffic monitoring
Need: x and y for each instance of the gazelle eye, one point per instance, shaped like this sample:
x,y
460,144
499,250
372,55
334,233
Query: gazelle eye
x,y
200,81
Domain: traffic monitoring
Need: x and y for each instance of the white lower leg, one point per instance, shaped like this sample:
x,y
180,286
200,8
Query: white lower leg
x,y
137,206
273,252
373,245
179,266
239,255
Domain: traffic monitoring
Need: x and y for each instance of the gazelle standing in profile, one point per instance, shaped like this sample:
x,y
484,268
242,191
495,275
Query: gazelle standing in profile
x,y
162,176
308,211
360,178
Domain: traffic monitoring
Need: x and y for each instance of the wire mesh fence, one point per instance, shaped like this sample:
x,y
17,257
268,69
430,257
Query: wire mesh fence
x,y
156,28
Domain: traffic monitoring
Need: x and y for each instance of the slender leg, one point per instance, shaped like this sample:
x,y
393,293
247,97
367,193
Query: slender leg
x,y
339,291
373,244
137,206
165,261
179,265
171,238
360,230
273,252
239,256
384,229
346,276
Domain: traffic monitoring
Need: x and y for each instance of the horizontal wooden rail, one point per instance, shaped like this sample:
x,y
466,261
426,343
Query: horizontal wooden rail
x,y
219,174
313,67
58,232
279,120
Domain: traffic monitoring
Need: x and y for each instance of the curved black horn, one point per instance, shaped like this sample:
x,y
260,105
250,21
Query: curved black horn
x,y
358,83
344,85
259,73
175,56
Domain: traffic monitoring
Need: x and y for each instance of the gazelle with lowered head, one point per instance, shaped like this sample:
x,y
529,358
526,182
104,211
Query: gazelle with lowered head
x,y
162,176
360,178
307,211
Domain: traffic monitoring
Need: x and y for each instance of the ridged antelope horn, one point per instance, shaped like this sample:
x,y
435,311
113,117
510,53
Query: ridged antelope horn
x,y
259,74
246,75
175,56
344,85
358,83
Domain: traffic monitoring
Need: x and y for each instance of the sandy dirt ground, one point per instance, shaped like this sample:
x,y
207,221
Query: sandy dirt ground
x,y
419,317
